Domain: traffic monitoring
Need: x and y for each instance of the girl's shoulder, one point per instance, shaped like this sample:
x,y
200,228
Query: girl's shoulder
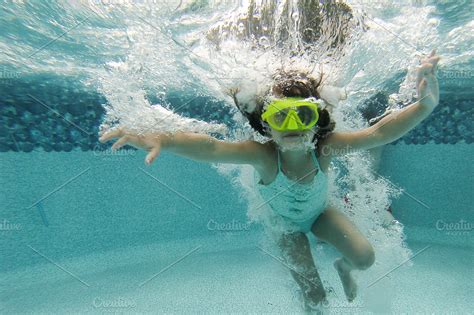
x,y
268,167
268,151
270,147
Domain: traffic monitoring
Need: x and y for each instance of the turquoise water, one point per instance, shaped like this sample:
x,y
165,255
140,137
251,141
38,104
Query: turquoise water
x,y
85,230
103,241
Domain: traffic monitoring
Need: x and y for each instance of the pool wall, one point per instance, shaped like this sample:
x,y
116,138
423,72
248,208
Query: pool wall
x,y
49,113
71,204
437,184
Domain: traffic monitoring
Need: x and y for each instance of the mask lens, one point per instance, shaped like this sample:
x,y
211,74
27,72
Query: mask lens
x,y
279,117
306,114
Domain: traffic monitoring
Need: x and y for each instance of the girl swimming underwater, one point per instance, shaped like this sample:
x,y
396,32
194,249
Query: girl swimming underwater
x,y
291,168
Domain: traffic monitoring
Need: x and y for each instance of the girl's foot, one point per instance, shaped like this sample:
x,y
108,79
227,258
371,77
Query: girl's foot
x,y
350,287
312,303
318,308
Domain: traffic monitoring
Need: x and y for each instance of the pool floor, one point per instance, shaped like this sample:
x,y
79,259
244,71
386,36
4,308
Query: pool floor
x,y
211,276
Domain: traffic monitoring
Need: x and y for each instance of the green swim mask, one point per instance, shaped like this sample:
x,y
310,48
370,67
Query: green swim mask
x,y
291,114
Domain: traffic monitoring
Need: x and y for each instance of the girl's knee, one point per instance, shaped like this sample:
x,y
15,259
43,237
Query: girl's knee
x,y
365,258
295,248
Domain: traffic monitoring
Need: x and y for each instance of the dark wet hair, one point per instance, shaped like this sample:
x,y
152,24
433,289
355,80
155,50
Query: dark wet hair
x,y
289,84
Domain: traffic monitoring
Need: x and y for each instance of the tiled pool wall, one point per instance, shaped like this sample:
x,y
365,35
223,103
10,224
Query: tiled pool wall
x,y
50,114
54,114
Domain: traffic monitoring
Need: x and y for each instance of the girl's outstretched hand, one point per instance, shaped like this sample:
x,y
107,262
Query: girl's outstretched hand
x,y
150,142
426,81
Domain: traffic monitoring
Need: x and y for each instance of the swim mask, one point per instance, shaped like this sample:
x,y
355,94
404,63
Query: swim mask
x,y
292,113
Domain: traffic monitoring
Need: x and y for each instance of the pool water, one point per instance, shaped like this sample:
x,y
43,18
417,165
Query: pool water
x,y
87,230
231,279
142,248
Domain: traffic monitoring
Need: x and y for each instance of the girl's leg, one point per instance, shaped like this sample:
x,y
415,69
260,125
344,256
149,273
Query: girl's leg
x,y
296,251
335,228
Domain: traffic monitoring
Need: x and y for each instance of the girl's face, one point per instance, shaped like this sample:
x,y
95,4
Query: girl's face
x,y
293,140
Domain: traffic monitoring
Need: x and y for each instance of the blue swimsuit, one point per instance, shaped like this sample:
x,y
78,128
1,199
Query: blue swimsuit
x,y
298,204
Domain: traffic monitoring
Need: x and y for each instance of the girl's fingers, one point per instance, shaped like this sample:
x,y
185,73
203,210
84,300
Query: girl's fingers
x,y
424,83
110,135
431,58
120,142
428,58
419,77
151,156
422,70
423,87
434,61
137,141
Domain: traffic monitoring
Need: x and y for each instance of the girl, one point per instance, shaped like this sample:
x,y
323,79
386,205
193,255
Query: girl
x,y
292,170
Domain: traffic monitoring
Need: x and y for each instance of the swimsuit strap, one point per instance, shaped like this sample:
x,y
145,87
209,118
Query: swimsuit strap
x,y
279,162
315,159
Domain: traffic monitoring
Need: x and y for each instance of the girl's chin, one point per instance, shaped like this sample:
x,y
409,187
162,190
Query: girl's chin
x,y
295,143
292,137
295,139
292,140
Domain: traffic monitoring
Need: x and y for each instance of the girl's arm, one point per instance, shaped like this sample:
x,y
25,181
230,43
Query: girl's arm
x,y
396,124
199,147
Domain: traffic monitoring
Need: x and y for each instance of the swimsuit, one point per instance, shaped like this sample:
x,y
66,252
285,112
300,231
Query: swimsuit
x,y
297,204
